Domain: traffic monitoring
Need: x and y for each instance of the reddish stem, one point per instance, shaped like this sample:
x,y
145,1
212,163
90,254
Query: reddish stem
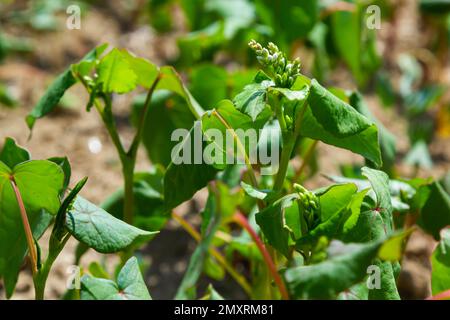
x,y
26,226
440,296
240,219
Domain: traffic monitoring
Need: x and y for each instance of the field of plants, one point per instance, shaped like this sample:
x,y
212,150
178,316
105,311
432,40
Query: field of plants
x,y
225,149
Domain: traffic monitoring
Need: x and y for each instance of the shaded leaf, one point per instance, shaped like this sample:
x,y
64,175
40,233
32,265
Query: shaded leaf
x,y
12,154
272,222
100,230
194,170
440,264
336,116
327,279
435,214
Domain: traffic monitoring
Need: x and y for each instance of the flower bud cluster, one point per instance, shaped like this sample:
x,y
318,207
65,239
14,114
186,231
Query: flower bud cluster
x,y
283,71
309,202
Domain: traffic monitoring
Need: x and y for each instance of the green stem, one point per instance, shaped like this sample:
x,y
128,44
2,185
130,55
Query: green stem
x,y
128,201
288,147
138,136
289,139
40,278
129,159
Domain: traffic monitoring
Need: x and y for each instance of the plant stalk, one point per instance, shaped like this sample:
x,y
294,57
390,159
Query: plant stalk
x,y
288,147
128,200
240,219
129,159
40,279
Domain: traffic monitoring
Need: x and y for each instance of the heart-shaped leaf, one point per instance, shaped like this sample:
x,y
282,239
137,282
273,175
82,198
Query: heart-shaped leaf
x,y
129,286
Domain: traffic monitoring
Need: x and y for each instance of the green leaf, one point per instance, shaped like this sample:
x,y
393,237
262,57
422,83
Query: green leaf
x,y
375,220
380,184
39,182
225,119
335,199
12,154
392,249
327,279
272,222
167,112
64,164
440,264
97,270
116,74
252,192
194,170
252,100
388,288
364,143
293,95
129,286
346,30
435,214
51,97
375,223
149,209
336,116
209,84
59,229
56,90
356,292
145,71
335,209
386,138
170,80
101,231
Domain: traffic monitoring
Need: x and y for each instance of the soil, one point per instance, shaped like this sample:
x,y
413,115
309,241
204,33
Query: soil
x,y
70,130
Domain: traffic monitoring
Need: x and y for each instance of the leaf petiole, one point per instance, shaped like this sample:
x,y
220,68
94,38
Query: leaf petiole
x,y
27,227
